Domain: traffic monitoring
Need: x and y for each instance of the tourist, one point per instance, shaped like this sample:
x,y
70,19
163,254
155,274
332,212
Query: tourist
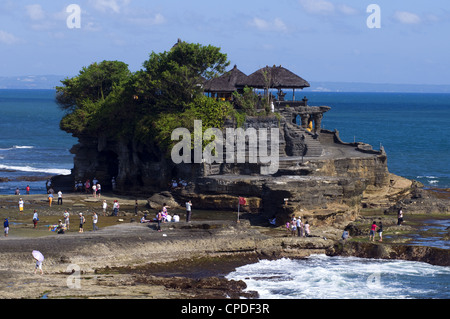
x,y
60,227
345,235
144,220
17,192
35,218
188,211
60,199
38,266
293,228
95,181
307,229
82,221
94,221
299,227
6,227
104,206
113,183
176,218
94,190
87,186
165,212
116,207
135,207
380,231
159,218
99,190
400,216
28,189
66,216
80,186
373,228
21,205
50,199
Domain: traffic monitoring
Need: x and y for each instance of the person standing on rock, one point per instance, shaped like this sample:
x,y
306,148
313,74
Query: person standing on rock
x,y
60,199
299,227
159,218
373,228
380,231
20,205
307,230
50,199
116,207
35,218
400,216
6,227
188,211
66,216
94,222
104,206
82,221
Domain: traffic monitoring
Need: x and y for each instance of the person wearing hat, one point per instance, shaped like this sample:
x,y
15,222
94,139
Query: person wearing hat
x,y
82,221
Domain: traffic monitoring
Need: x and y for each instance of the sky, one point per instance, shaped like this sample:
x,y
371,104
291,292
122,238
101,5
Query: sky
x,y
400,41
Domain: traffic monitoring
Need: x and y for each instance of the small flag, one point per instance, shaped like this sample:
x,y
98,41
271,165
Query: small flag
x,y
242,201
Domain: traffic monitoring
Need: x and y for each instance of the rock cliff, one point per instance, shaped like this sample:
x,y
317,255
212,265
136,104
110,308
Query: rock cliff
x,y
317,173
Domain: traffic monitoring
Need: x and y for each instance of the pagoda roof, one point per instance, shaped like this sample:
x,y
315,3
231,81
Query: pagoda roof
x,y
274,77
227,82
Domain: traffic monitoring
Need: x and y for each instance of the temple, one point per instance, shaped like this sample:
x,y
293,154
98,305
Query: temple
x,y
301,123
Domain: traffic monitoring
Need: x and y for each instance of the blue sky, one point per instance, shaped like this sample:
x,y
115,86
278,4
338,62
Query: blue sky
x,y
320,40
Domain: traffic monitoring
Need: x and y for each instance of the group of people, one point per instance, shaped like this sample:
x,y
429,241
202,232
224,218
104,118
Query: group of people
x,y
297,227
27,190
163,216
89,187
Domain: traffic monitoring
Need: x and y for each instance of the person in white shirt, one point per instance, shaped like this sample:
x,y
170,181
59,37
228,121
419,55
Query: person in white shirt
x,y
60,200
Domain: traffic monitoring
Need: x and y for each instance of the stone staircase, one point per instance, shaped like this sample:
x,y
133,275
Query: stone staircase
x,y
314,148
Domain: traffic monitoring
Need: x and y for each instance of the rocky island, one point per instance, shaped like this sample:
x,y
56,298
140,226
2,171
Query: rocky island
x,y
124,124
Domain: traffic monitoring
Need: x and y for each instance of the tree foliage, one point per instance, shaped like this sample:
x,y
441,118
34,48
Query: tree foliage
x,y
107,99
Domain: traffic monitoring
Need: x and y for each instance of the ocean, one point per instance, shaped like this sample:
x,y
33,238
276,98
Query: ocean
x,y
324,277
32,147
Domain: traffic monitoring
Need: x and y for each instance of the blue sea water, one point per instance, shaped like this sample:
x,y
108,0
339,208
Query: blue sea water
x,y
324,277
413,129
31,143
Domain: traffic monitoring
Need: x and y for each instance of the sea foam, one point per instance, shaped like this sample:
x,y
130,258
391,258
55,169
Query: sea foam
x,y
55,171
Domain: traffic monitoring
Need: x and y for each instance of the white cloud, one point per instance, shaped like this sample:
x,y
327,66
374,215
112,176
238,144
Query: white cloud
x,y
325,8
7,38
318,6
109,5
347,10
35,12
276,25
406,17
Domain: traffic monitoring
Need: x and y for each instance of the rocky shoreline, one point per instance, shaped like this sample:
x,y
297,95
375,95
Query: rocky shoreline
x,y
127,259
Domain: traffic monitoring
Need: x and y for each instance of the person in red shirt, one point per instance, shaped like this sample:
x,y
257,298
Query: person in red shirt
x,y
28,189
373,228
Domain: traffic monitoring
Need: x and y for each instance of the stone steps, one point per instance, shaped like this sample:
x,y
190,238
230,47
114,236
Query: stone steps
x,y
314,148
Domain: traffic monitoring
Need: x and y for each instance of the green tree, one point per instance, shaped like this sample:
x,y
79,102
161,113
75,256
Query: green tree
x,y
83,95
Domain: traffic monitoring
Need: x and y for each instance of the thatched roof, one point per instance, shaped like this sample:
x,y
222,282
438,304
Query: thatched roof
x,y
274,77
226,82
